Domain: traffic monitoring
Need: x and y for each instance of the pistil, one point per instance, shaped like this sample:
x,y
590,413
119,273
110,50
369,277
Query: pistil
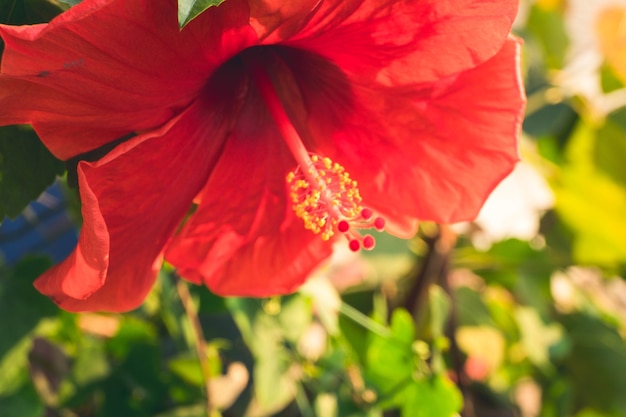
x,y
322,193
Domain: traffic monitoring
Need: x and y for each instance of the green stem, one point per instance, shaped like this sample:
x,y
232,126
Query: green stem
x,y
360,318
200,343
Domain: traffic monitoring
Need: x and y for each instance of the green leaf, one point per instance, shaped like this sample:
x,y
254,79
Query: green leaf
x,y
188,369
14,367
596,364
132,332
20,12
24,403
18,298
537,337
190,9
295,317
391,359
264,327
90,364
471,308
548,29
70,2
195,410
591,196
433,397
26,169
609,150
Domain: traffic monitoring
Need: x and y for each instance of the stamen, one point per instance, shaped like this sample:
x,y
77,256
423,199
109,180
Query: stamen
x,y
322,193
331,203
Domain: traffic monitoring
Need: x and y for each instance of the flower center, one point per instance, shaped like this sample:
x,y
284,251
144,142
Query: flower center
x,y
322,193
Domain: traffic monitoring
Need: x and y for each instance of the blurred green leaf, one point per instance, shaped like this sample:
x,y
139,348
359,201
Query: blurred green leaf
x,y
471,310
587,412
14,367
91,363
190,9
295,316
597,364
188,369
609,80
391,361
591,202
138,385
196,410
609,151
551,123
264,328
537,337
132,331
26,169
23,403
209,303
432,397
547,27
355,335
70,2
21,306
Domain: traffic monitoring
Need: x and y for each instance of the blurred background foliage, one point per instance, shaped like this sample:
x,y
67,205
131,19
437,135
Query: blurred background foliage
x,y
520,313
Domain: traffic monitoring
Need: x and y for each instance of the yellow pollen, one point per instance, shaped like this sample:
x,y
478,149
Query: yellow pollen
x,y
332,198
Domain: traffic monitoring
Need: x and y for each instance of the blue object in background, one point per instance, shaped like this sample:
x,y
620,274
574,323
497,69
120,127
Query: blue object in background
x,y
43,228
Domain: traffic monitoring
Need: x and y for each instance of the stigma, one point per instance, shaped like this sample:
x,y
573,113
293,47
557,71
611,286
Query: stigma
x,y
322,192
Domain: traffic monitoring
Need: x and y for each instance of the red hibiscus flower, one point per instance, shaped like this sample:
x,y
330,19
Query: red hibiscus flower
x,y
286,124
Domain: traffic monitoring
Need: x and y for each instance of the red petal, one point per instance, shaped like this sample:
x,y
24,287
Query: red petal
x,y
133,200
448,149
244,239
407,42
276,20
85,270
471,141
432,152
104,69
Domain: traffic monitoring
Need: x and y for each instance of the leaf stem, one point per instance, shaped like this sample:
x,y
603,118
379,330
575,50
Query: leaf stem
x,y
200,344
303,402
360,318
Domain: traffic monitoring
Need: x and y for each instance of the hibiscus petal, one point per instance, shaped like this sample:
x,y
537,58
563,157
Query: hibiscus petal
x,y
85,270
451,142
133,200
244,239
432,152
407,42
276,20
104,69
474,124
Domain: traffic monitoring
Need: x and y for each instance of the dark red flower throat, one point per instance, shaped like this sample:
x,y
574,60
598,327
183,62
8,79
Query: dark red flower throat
x,y
321,191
